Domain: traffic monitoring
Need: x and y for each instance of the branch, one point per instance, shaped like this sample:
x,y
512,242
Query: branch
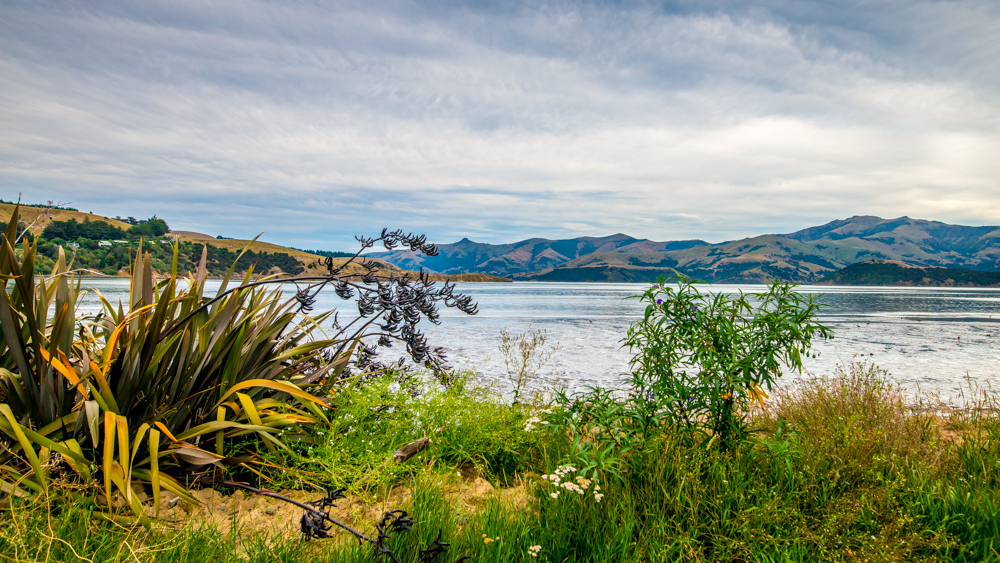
x,y
303,506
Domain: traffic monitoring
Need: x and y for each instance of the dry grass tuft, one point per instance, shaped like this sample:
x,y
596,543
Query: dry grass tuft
x,y
858,415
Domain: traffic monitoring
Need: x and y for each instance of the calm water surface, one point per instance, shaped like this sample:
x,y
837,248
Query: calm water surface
x,y
927,338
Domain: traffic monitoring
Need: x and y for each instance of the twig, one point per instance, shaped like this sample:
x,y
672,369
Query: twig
x,y
303,506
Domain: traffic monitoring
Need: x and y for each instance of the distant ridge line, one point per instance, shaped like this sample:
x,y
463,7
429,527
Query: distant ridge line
x,y
803,256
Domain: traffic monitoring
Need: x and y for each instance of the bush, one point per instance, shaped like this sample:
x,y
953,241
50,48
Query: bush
x,y
72,230
703,360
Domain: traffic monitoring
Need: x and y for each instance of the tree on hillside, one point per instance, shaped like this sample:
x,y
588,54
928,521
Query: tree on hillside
x,y
71,230
153,227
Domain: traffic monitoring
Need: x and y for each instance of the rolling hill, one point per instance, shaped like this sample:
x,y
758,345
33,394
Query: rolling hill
x,y
882,272
527,256
223,251
40,217
803,256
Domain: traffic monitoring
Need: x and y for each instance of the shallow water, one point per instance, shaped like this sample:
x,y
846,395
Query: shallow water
x,y
928,338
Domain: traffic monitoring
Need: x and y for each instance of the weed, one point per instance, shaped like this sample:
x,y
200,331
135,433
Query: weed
x,y
524,355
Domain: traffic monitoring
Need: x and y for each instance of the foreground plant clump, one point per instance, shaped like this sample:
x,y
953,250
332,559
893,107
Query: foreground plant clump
x,y
840,469
161,391
692,462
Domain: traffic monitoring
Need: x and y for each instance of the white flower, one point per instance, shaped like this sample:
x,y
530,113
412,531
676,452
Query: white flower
x,y
554,495
572,487
529,424
598,497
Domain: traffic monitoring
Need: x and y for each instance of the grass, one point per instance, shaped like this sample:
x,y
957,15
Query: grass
x,y
469,428
40,217
237,245
842,469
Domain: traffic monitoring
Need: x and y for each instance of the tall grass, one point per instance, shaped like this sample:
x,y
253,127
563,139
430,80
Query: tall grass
x,y
841,469
470,428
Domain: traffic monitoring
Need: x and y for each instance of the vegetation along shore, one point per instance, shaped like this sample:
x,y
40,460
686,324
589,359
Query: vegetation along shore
x,y
227,427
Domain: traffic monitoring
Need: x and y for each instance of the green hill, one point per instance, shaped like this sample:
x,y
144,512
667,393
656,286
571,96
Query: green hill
x,y
804,256
108,246
880,272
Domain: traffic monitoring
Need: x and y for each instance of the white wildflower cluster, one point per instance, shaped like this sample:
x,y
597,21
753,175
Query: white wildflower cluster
x,y
579,485
534,421
533,550
529,424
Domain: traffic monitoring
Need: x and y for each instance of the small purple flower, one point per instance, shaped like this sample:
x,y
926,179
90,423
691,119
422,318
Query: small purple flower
x,y
659,302
695,308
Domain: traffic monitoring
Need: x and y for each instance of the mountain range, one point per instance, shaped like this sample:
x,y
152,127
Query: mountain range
x,y
803,256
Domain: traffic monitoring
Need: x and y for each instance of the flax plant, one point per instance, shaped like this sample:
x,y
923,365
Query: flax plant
x,y
149,390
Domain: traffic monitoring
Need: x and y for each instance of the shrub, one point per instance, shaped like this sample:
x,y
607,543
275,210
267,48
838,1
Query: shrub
x,y
700,361
704,359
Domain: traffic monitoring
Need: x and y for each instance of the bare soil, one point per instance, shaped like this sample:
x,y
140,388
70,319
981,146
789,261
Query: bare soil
x,y
247,513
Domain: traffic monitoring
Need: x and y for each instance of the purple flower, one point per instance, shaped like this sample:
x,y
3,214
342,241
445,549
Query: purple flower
x,y
695,308
659,302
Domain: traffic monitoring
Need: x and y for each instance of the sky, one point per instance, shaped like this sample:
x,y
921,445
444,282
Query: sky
x,y
313,122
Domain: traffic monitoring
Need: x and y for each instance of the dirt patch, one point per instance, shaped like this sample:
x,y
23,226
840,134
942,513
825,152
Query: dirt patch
x,y
948,431
249,514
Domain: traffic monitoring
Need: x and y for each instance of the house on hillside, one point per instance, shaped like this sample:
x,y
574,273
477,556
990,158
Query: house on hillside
x,y
104,243
120,241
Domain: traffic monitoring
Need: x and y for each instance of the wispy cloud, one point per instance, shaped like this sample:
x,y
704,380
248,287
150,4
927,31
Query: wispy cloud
x,y
503,120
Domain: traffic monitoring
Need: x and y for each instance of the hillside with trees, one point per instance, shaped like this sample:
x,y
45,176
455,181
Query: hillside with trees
x,y
109,246
879,272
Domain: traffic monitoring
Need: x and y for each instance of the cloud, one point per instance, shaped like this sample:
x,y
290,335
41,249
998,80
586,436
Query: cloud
x,y
503,121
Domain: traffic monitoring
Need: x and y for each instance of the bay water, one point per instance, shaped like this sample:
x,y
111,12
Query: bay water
x,y
928,339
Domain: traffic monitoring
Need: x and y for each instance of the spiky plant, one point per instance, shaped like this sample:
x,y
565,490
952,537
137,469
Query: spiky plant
x,y
148,390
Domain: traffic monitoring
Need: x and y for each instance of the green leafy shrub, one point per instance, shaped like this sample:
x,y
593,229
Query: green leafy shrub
x,y
72,230
704,358
701,362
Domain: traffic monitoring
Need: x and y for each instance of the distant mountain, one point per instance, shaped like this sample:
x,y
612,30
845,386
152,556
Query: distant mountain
x,y
880,272
522,257
802,256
